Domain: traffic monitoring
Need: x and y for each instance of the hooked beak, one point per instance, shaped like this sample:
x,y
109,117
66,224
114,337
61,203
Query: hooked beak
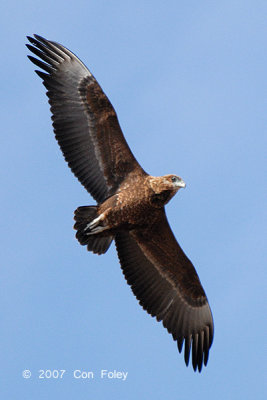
x,y
181,184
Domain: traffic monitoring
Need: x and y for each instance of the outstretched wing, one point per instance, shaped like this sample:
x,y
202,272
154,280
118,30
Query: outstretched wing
x,y
85,123
167,286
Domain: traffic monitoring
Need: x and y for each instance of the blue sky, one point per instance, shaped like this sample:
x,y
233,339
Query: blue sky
x,y
188,82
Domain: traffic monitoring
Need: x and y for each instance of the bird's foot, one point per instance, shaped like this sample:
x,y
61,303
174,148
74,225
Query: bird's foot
x,y
95,227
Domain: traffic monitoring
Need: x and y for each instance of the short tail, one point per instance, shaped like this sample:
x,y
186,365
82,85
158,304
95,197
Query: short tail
x,y
96,243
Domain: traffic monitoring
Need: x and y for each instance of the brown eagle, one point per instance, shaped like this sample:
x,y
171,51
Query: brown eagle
x,y
130,203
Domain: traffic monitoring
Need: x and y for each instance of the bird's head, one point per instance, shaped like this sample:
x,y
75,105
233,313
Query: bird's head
x,y
173,182
164,188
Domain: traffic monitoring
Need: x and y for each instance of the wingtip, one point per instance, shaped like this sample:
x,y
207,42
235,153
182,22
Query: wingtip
x,y
31,58
39,37
206,357
36,38
200,368
31,38
187,349
41,74
180,342
196,346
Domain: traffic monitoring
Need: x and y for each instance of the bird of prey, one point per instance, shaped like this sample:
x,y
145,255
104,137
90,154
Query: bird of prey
x,y
130,203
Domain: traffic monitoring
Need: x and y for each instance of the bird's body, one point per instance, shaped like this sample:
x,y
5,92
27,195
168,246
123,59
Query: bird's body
x,y
130,203
136,203
130,207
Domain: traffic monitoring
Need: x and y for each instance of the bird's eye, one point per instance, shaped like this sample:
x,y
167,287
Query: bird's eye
x,y
174,179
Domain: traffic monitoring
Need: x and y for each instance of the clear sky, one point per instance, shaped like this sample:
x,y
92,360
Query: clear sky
x,y
188,82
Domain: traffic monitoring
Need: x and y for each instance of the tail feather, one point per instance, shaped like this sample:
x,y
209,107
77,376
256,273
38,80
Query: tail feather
x,y
97,243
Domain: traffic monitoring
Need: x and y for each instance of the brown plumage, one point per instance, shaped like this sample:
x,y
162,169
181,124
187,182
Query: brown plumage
x,y
130,205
